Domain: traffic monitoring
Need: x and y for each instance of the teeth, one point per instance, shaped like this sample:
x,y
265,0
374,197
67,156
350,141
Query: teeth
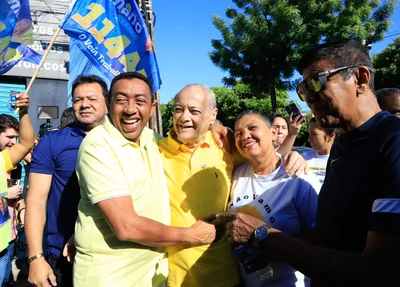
x,y
131,121
249,144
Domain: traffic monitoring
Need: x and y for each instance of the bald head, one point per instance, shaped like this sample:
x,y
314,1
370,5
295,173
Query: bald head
x,y
203,90
195,111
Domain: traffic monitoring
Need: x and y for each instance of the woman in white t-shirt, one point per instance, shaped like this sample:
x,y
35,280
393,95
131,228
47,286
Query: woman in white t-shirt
x,y
262,189
321,141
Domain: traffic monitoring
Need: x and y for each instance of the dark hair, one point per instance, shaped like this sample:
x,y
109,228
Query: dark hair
x,y
381,93
252,112
8,122
274,116
67,118
327,131
341,53
89,79
130,76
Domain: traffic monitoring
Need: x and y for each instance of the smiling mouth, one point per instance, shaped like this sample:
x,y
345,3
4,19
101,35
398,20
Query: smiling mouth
x,y
130,122
249,144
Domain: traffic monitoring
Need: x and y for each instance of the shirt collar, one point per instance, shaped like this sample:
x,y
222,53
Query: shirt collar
x,y
119,138
76,132
175,146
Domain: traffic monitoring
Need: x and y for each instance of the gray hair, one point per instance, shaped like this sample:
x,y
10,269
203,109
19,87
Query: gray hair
x,y
212,99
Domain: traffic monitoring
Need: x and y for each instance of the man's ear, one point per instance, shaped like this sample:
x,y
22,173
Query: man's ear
x,y
363,77
274,133
214,114
153,108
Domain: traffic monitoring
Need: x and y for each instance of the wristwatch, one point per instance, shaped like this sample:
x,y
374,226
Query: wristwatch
x,y
259,235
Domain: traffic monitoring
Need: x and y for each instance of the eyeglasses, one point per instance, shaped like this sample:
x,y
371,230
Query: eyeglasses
x,y
317,81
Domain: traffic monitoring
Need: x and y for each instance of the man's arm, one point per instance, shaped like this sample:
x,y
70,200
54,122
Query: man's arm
x,y
39,187
26,134
129,226
375,266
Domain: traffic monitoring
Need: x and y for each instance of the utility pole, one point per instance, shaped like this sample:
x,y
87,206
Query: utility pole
x,y
147,11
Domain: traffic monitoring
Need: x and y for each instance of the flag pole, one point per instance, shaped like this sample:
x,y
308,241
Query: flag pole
x,y
41,64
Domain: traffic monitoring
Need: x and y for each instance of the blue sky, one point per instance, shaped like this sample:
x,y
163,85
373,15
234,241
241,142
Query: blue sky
x,y
183,34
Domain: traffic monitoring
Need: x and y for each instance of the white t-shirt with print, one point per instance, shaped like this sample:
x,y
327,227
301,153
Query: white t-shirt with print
x,y
317,163
286,203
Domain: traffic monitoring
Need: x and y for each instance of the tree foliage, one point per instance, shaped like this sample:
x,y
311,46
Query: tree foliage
x,y
232,101
167,112
387,66
264,39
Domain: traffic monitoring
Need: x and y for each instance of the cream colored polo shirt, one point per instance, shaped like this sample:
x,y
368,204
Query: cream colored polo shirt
x,y
110,166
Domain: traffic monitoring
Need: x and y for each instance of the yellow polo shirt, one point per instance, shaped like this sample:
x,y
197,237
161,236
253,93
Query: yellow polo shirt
x,y
110,166
199,185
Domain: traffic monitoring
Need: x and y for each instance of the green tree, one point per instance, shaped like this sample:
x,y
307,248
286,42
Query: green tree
x,y
264,39
167,112
387,66
233,101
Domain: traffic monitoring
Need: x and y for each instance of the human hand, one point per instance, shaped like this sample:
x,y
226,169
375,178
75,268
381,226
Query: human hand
x,y
22,102
239,226
41,274
223,137
295,164
295,124
202,232
14,192
69,250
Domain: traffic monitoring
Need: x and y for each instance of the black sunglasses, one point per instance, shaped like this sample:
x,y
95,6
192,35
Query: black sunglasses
x,y
317,81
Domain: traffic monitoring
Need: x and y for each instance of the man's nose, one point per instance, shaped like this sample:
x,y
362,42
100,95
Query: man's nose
x,y
311,96
85,103
185,115
131,108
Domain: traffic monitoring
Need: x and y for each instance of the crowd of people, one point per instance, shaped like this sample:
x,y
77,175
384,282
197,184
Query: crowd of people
x,y
118,205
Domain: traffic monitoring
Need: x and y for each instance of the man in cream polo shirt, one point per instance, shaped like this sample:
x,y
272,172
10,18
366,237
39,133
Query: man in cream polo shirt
x,y
122,228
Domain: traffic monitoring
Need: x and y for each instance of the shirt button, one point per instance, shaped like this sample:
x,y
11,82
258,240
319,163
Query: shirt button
x,y
203,166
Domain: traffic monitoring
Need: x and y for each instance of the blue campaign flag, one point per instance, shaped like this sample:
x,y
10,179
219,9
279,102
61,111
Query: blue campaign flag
x,y
15,34
114,37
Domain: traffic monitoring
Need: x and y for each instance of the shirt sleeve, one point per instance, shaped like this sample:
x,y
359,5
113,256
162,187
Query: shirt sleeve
x,y
100,173
307,202
385,215
7,160
42,157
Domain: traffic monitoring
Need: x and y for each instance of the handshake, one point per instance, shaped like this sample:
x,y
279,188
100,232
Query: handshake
x,y
238,227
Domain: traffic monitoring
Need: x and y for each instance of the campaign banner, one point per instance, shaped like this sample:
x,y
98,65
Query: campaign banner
x,y
16,34
113,36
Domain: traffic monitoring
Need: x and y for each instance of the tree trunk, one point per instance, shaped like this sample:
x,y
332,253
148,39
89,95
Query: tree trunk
x,y
273,97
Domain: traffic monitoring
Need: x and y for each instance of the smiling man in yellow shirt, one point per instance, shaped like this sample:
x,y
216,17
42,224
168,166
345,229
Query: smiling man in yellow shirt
x,y
198,176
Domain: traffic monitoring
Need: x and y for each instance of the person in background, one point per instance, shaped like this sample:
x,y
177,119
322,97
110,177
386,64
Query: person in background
x,y
53,187
9,130
9,158
389,100
262,188
67,117
321,141
287,131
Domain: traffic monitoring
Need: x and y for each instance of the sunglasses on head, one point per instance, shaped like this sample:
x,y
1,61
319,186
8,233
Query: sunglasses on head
x,y
317,81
